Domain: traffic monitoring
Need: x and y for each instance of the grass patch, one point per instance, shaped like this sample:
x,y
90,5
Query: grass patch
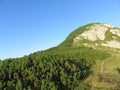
x,y
109,36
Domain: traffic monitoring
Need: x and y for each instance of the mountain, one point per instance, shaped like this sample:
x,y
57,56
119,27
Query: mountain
x,y
95,35
88,59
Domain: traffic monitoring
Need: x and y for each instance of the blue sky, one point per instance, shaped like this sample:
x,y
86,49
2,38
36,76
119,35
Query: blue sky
x,y
28,26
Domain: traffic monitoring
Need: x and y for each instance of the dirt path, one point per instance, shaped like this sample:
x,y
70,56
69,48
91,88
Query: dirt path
x,y
101,69
100,79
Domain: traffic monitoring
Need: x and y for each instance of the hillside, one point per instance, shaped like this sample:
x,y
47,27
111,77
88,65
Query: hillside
x,y
88,59
94,35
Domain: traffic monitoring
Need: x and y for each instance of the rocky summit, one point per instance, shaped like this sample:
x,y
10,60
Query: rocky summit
x,y
107,34
95,35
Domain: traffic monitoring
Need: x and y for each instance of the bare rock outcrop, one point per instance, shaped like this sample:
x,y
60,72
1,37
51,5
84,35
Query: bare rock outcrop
x,y
113,44
98,32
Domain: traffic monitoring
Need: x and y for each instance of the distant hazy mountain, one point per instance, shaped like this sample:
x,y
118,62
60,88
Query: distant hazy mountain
x,y
88,59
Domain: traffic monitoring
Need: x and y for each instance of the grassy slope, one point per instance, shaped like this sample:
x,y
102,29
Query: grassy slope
x,y
110,66
108,77
69,40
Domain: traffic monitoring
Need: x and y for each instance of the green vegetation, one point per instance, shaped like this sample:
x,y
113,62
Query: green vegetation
x,y
69,40
53,69
109,36
69,66
106,74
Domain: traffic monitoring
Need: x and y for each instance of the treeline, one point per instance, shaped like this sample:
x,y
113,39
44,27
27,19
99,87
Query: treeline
x,y
53,69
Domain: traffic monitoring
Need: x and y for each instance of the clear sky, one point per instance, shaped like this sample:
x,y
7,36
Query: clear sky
x,y
28,26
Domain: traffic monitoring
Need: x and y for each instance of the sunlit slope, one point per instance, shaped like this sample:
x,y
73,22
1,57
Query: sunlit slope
x,y
106,74
88,59
95,35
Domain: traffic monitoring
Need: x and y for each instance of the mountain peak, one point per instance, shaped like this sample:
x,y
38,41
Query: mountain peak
x,y
95,35
94,32
106,34
108,25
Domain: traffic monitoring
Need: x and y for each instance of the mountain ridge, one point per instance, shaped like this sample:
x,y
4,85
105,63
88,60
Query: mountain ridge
x,y
78,63
94,35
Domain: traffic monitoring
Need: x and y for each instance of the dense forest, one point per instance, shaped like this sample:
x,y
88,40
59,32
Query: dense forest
x,y
53,69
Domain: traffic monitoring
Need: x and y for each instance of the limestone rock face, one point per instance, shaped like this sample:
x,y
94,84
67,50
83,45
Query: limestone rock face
x,y
115,32
94,33
114,44
107,34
